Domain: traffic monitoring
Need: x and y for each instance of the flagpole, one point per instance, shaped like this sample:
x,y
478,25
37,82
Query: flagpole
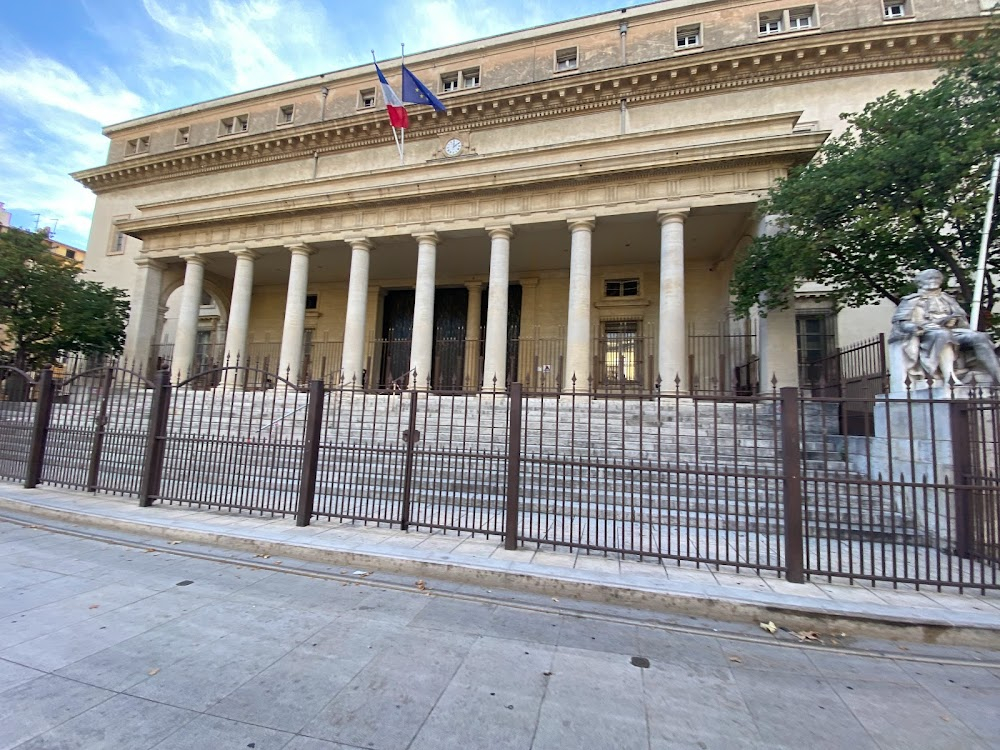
x,y
399,148
977,297
402,150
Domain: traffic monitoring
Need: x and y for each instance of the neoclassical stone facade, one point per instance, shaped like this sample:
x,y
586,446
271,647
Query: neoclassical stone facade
x,y
600,176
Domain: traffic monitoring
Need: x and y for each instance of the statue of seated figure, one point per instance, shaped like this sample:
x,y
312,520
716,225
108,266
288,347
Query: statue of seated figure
x,y
931,342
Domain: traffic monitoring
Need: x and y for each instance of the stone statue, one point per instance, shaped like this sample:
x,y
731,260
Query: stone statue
x,y
932,344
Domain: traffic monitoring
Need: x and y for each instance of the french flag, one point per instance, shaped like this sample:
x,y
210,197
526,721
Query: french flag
x,y
397,112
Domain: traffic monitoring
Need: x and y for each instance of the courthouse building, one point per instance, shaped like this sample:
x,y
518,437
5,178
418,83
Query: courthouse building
x,y
576,211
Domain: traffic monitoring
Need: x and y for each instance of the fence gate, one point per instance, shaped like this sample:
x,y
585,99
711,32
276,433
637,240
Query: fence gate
x,y
97,431
414,459
216,444
18,407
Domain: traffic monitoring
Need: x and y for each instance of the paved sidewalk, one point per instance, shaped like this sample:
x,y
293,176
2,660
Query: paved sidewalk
x,y
961,619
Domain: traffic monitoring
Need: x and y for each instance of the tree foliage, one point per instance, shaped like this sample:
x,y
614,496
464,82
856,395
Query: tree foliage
x,y
904,188
48,309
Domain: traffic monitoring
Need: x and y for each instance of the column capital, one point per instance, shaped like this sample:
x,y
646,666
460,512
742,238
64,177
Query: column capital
x,y
193,259
672,215
301,249
359,242
504,231
157,265
582,222
245,253
431,237
528,282
473,285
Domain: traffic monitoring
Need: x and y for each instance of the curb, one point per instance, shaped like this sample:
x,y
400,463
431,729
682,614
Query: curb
x,y
945,627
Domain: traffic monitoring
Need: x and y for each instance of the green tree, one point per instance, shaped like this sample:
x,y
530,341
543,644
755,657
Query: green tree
x,y
904,188
48,309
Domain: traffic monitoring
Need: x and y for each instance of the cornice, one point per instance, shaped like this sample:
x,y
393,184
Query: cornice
x,y
813,56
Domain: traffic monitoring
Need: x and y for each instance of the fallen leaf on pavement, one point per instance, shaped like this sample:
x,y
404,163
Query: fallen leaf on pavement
x,y
262,555
770,627
421,585
93,606
153,671
807,635
174,542
736,659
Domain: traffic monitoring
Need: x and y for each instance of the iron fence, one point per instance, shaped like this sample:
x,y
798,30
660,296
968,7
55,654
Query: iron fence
x,y
769,483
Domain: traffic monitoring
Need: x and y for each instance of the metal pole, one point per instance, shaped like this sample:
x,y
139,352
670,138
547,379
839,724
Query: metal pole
x,y
40,430
310,459
792,495
977,297
513,467
156,439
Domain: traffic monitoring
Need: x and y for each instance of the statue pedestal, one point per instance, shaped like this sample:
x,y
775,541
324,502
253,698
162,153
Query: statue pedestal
x,y
912,452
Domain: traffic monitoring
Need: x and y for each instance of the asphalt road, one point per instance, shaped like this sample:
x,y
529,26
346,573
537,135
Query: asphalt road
x,y
132,643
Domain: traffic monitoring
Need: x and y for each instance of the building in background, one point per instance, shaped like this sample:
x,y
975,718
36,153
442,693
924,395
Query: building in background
x,y
73,254
572,217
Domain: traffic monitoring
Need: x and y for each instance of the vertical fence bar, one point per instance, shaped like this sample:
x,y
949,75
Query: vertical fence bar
x,y
156,439
40,430
410,437
102,421
513,467
961,452
792,494
310,457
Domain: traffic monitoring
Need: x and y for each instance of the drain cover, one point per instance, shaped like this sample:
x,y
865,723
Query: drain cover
x,y
640,661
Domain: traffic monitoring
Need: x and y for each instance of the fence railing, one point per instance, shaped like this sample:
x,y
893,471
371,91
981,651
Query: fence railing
x,y
770,484
856,374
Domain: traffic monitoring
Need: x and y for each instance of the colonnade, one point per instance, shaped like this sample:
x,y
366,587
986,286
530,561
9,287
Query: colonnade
x,y
672,329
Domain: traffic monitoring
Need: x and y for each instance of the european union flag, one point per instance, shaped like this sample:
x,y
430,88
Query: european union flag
x,y
414,92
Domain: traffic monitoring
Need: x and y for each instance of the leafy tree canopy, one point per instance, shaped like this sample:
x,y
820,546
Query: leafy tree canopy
x,y
47,309
904,188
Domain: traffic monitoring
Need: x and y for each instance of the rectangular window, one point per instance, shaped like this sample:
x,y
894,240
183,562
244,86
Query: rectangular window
x,y
117,244
621,353
71,254
234,125
770,23
566,59
449,82
137,146
470,78
286,114
689,36
311,301
621,288
183,137
366,98
893,9
801,18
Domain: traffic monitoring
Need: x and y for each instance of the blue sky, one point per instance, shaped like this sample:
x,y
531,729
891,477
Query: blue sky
x,y
69,67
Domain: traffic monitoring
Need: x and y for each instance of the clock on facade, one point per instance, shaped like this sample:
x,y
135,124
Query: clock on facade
x,y
453,147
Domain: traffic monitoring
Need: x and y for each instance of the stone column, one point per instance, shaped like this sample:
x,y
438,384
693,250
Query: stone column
x,y
239,313
495,354
144,314
578,323
671,358
473,322
776,337
422,341
352,366
290,359
187,318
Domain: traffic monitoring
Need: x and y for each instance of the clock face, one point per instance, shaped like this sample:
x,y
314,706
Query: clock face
x,y
453,147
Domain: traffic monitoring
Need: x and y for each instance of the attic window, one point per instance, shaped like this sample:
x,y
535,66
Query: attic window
x,y
286,114
366,98
183,137
137,146
689,36
234,125
566,59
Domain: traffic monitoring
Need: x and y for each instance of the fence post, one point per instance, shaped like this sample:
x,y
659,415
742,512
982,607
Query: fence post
x,y
792,495
512,511
102,420
40,430
310,457
156,439
410,437
961,456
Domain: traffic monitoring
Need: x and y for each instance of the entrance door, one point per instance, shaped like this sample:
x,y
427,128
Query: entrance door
x,y
448,355
620,355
